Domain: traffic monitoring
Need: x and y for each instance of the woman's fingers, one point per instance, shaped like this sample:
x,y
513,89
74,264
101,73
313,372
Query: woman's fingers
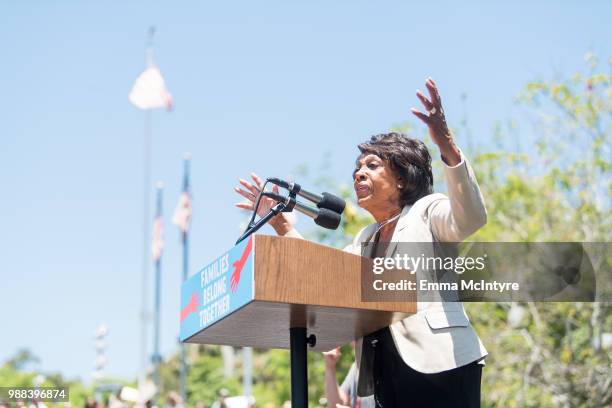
x,y
254,190
426,102
433,92
258,180
251,191
247,205
245,194
420,115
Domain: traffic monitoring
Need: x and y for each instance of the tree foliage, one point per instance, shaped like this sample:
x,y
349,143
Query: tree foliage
x,y
20,371
554,355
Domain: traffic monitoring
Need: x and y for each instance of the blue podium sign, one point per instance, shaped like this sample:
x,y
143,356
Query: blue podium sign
x,y
218,289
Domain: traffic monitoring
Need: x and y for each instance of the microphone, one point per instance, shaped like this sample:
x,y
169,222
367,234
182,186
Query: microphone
x,y
324,200
323,217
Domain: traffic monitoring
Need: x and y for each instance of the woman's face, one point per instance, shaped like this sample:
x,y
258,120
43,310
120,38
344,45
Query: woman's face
x,y
376,186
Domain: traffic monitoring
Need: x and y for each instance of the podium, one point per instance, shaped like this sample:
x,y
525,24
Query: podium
x,y
278,292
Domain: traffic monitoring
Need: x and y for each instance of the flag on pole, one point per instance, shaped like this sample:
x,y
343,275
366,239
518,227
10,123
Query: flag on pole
x,y
149,90
182,219
158,241
183,211
158,228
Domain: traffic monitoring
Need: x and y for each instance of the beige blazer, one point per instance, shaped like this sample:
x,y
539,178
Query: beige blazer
x,y
439,336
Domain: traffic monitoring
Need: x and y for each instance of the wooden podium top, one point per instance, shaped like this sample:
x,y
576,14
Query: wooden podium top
x,y
254,293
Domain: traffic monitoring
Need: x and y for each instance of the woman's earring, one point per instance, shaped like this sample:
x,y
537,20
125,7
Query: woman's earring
x,y
399,186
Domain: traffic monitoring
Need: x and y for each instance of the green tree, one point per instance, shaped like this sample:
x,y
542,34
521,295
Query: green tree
x,y
206,377
16,371
561,193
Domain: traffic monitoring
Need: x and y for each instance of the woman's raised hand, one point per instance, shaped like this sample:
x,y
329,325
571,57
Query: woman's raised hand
x,y
436,121
250,191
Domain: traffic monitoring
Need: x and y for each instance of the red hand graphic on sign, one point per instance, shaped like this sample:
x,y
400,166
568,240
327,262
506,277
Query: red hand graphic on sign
x,y
239,264
192,307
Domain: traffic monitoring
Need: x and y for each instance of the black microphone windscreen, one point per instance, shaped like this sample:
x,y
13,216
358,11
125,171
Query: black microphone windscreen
x,y
332,202
328,219
278,182
275,196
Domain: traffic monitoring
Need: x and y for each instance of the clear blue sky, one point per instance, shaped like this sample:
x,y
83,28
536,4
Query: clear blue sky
x,y
318,75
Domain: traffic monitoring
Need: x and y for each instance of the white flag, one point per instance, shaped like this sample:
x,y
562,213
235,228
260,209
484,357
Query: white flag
x,y
149,91
182,214
158,239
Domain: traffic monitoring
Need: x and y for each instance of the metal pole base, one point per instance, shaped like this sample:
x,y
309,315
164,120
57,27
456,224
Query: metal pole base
x,y
299,365
299,368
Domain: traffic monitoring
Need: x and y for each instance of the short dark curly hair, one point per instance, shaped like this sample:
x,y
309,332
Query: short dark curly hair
x,y
408,158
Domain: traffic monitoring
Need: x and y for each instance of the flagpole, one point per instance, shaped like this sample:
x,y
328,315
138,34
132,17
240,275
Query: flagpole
x,y
156,358
145,248
247,371
185,240
147,149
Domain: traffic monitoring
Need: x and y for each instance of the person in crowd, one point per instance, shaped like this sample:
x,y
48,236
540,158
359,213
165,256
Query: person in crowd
x,y
220,403
174,400
345,394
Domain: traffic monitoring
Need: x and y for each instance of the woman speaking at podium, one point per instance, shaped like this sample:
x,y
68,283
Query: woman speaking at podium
x,y
432,358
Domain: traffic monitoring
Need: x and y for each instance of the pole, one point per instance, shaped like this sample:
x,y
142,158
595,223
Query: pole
x,y
185,240
247,367
147,148
156,353
299,373
144,316
183,373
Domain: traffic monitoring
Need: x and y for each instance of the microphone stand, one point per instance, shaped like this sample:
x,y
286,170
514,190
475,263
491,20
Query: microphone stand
x,y
274,211
277,209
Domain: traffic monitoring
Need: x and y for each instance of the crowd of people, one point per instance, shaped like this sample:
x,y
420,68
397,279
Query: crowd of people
x,y
173,400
